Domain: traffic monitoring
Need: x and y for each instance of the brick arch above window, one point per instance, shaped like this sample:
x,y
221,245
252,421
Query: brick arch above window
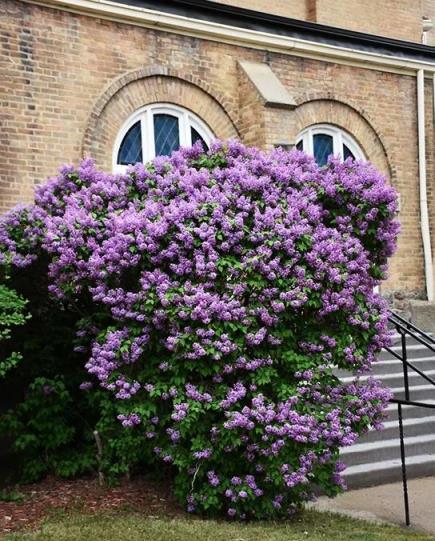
x,y
134,90
312,111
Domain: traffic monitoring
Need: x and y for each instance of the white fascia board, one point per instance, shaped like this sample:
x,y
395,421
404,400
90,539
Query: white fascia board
x,y
239,36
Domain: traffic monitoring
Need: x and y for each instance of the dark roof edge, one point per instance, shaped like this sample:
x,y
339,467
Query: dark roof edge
x,y
255,20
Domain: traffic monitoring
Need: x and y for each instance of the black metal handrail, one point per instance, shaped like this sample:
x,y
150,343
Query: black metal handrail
x,y
406,328
414,331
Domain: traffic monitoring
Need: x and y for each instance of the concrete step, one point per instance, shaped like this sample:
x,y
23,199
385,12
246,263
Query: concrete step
x,y
414,426
387,471
417,393
397,337
395,379
375,458
410,412
378,451
390,366
414,350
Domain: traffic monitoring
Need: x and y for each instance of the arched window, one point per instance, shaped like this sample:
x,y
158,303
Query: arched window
x,y
157,130
322,140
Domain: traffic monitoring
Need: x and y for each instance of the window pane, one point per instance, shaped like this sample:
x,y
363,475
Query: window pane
x,y
347,153
166,134
323,147
130,150
300,145
196,137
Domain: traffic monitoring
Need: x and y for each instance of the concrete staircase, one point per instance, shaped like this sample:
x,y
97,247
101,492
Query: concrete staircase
x,y
375,458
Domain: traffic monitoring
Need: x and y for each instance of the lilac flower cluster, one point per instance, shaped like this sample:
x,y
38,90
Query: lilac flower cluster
x,y
131,419
21,231
224,287
193,393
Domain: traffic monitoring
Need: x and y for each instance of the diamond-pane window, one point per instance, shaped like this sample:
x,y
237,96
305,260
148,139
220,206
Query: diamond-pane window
x,y
130,150
197,137
166,134
323,147
347,153
324,140
157,130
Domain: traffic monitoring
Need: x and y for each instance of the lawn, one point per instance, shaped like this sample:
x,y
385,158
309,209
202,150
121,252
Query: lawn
x,y
310,525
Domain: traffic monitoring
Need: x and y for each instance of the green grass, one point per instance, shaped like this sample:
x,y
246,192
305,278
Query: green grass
x,y
310,526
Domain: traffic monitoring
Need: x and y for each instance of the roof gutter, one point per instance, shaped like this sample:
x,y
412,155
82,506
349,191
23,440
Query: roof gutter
x,y
247,18
131,12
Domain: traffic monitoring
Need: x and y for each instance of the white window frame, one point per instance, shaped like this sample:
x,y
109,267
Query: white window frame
x,y
339,138
186,121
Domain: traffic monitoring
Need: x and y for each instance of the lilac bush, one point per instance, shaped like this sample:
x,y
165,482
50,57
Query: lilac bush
x,y
219,290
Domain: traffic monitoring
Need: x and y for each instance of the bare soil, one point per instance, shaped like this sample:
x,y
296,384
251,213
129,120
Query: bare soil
x,y
52,495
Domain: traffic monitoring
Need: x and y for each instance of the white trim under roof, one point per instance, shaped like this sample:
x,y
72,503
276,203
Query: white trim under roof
x,y
239,36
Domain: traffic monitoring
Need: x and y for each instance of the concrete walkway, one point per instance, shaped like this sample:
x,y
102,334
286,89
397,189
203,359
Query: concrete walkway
x,y
385,504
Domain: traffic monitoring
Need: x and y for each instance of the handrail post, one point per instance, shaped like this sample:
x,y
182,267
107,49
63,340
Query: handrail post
x,y
405,364
403,460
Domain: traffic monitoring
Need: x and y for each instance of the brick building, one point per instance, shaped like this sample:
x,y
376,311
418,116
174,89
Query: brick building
x,y
124,80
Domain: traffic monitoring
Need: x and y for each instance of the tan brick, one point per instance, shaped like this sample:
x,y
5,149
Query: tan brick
x,y
399,19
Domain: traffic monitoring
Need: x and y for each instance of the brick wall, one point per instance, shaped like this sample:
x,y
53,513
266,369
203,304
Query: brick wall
x,y
64,92
393,18
296,9
154,84
428,10
399,19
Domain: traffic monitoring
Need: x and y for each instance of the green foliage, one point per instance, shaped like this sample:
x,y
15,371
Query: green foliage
x,y
122,451
53,432
13,495
44,432
47,417
12,314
